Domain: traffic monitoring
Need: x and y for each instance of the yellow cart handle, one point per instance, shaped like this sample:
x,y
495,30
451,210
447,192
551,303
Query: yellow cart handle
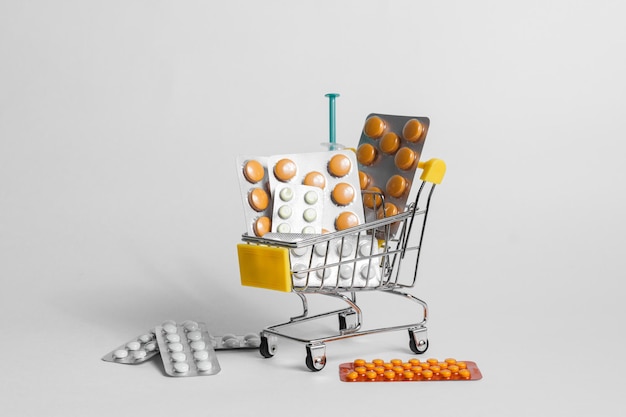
x,y
433,170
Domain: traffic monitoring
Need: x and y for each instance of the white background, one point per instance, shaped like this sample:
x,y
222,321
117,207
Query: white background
x,y
120,123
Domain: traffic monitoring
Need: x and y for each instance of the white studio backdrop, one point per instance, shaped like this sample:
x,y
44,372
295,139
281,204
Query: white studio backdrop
x,y
120,124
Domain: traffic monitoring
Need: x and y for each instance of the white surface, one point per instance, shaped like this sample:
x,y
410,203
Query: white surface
x,y
120,123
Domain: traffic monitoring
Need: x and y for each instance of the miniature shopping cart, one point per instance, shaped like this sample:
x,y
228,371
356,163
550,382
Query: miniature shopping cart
x,y
379,255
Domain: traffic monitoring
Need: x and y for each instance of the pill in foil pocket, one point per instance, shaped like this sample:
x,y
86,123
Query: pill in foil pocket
x,y
297,209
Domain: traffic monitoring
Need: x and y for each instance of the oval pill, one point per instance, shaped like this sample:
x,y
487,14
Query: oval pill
x,y
193,336
204,366
175,347
178,357
190,325
366,154
339,166
258,199
413,130
139,354
253,171
197,345
374,127
390,143
346,220
201,355
231,343
150,346
172,337
181,367
145,338
169,328
315,179
120,353
405,158
343,194
285,169
133,345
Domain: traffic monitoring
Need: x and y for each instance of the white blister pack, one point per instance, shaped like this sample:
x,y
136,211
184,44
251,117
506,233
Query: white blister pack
x,y
297,209
135,351
186,349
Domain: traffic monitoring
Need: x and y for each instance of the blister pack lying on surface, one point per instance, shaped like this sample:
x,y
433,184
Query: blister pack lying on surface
x,y
397,370
230,341
186,349
135,351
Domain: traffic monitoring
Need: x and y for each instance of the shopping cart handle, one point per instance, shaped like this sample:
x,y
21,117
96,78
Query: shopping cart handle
x,y
433,170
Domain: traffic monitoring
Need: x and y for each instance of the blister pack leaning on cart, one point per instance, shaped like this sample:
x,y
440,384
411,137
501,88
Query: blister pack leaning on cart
x,y
380,255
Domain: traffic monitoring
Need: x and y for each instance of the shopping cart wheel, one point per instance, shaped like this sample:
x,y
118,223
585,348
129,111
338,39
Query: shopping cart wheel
x,y
418,341
315,357
266,348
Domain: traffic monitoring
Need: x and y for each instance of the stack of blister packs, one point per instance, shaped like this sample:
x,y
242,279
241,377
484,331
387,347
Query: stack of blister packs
x,y
186,349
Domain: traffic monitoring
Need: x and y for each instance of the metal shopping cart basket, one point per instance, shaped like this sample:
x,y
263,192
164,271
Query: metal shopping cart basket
x,y
369,257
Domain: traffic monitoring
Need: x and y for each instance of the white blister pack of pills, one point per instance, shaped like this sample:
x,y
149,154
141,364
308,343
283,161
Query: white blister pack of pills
x,y
186,349
297,209
352,261
135,351
231,341
333,172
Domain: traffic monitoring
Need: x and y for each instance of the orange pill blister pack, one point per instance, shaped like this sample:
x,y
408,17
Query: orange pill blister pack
x,y
256,194
412,370
333,172
388,153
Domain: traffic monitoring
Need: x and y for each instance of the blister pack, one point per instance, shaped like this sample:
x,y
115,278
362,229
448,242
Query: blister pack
x,y
186,349
297,209
231,341
388,153
335,173
413,370
256,194
347,262
135,351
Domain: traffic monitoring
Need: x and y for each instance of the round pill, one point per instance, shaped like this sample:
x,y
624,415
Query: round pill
x,y
311,197
374,127
284,212
150,346
345,272
297,268
254,342
443,365
197,345
371,374
309,215
172,337
396,362
390,143
195,335
414,361
190,325
450,361
322,273
315,179
139,354
389,210
360,370
169,328
387,365
299,251
389,375
346,220
178,357
427,373
397,185
145,338
320,249
413,130
417,369
445,373
181,367
120,353
344,249
258,199
229,336
359,362
262,226
369,365
372,197
175,347
343,194
364,180
378,362
461,365
339,165
366,154
204,366
201,355
308,230
379,370
409,375
405,158
368,271
231,343
365,249
352,375
172,322
432,361
133,346
286,194
283,228
435,368
464,373
453,368
285,169
253,171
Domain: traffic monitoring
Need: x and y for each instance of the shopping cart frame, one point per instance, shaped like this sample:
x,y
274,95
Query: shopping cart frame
x,y
392,234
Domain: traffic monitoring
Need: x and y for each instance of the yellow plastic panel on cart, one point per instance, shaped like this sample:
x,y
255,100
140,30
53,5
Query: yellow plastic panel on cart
x,y
434,170
264,267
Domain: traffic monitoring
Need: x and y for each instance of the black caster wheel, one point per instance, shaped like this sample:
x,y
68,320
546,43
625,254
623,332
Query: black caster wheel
x,y
418,348
267,350
316,357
